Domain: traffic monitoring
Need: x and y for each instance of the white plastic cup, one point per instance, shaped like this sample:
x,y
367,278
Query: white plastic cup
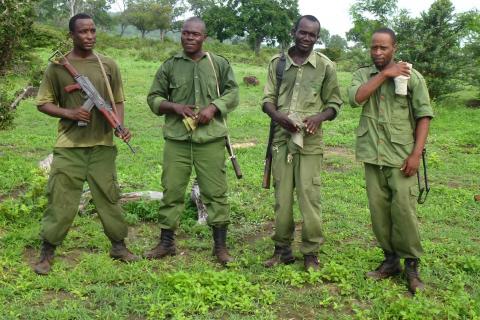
x,y
401,83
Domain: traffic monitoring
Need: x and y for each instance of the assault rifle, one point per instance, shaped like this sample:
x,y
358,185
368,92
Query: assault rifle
x,y
94,99
267,170
425,189
233,158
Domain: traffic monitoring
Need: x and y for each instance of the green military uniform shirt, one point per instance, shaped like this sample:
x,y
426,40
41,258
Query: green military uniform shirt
x,y
385,135
184,81
306,90
56,77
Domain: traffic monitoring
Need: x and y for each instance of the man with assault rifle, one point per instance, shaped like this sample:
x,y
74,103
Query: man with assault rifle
x,y
84,150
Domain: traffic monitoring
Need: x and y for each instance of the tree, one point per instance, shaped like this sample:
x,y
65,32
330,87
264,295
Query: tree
x,y
16,19
324,36
335,48
267,20
149,15
139,15
59,11
471,48
432,44
222,21
369,15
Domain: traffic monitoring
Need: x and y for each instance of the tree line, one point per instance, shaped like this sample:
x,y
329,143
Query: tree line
x,y
442,44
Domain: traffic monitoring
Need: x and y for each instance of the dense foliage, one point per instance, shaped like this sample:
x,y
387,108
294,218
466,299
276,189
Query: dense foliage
x,y
441,44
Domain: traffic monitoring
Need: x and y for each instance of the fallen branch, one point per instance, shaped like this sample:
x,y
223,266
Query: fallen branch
x,y
24,94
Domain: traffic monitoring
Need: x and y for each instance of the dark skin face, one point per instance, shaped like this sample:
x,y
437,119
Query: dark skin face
x,y
305,37
193,35
84,37
382,50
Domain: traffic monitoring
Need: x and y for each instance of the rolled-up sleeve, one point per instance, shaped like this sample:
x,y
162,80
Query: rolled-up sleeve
x,y
270,85
357,81
331,91
420,97
159,89
228,99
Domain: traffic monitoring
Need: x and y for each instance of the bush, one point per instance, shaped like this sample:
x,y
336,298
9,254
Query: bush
x,y
6,113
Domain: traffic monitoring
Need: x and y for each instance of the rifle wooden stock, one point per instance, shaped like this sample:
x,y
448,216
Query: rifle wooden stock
x,y
233,158
267,172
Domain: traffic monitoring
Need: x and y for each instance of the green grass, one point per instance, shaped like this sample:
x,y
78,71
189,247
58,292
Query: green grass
x,y
86,284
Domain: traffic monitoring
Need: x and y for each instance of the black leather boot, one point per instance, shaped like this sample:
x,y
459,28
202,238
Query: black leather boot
x,y
166,246
44,265
413,278
120,252
280,255
220,245
388,268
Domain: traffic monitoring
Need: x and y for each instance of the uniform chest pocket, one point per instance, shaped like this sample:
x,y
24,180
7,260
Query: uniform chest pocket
x,y
177,89
400,108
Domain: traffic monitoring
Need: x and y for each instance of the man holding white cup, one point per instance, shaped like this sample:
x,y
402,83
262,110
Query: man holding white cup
x,y
391,135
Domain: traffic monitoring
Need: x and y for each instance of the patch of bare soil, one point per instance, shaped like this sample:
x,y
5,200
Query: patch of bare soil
x,y
261,232
338,159
71,257
473,103
13,194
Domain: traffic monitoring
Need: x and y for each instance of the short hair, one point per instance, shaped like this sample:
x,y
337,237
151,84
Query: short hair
x,y
73,20
388,31
308,17
197,20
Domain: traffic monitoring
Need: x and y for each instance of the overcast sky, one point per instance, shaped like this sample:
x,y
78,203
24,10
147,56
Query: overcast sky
x,y
333,14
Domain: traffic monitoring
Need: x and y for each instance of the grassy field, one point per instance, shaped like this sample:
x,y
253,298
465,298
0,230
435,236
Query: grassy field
x,y
86,284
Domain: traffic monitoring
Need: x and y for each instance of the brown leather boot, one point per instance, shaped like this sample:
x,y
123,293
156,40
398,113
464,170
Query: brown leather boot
x,y
413,278
389,267
120,252
44,265
280,255
220,245
311,262
166,246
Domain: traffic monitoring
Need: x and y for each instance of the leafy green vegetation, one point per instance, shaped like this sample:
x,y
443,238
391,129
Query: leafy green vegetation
x,y
85,283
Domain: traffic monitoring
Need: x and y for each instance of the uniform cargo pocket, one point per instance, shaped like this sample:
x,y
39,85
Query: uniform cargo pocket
x,y
114,190
401,139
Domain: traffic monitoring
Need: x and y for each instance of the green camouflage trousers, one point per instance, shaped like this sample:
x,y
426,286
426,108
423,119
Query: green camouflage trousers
x,y
71,167
208,159
302,173
392,200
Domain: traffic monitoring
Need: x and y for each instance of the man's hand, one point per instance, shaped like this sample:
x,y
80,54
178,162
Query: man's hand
x,y
312,123
184,110
77,114
206,114
410,165
284,121
127,135
396,69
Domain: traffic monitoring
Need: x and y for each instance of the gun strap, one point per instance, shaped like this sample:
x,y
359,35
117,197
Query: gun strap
x,y
109,88
218,93
279,75
426,187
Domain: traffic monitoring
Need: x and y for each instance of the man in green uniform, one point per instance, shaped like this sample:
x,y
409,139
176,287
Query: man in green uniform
x,y
81,153
309,95
195,90
390,140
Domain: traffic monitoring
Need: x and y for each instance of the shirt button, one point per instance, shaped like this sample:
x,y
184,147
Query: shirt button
x,y
380,141
382,97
